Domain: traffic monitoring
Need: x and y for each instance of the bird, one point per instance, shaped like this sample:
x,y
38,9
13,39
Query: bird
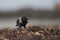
x,y
22,21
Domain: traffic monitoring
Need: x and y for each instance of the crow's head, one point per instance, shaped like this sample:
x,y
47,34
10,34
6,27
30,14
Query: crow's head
x,y
24,20
24,17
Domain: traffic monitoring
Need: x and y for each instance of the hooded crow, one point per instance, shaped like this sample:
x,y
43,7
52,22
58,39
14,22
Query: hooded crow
x,y
22,21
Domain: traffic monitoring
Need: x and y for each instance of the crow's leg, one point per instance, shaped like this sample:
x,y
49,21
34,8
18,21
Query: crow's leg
x,y
19,26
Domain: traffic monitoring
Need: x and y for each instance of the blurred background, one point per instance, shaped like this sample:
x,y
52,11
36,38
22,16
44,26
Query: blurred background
x,y
45,12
